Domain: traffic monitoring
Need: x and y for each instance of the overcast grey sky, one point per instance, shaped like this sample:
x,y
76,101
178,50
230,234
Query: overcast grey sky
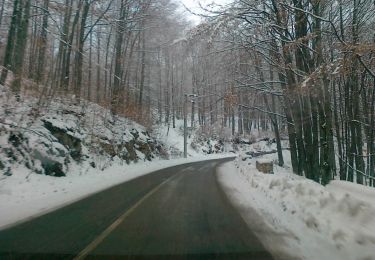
x,y
193,5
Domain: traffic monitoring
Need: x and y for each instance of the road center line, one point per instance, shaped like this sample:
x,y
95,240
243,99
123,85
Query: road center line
x,y
89,248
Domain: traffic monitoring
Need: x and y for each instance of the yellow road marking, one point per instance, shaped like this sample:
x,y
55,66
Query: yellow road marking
x,y
114,225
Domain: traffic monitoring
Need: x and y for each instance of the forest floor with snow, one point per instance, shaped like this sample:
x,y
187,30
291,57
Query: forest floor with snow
x,y
298,218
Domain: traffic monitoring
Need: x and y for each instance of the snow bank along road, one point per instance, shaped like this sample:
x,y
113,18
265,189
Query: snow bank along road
x,y
176,213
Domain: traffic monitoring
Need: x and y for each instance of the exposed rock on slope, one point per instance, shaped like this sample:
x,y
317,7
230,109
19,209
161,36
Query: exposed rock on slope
x,y
50,140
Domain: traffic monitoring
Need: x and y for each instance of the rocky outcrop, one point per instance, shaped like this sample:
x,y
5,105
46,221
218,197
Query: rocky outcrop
x,y
127,150
51,167
65,136
72,143
39,155
208,145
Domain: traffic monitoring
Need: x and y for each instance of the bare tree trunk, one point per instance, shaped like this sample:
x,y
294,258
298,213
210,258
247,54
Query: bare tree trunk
x,y
43,43
20,48
11,42
143,66
118,51
65,72
98,69
2,12
79,52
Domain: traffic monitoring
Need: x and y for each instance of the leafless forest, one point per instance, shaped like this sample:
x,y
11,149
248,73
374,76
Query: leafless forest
x,y
304,69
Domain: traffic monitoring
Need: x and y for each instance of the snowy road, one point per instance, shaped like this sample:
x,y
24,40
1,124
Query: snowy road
x,y
179,212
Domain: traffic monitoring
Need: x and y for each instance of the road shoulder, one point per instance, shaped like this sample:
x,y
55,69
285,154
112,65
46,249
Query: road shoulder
x,y
273,240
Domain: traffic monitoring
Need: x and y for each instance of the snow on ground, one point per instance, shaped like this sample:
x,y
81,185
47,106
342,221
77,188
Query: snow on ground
x,y
198,142
50,138
173,138
298,218
26,195
84,144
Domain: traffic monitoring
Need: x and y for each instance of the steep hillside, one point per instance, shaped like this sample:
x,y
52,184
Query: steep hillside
x,y
56,137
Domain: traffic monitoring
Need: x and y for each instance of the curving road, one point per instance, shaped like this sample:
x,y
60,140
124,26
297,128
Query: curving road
x,y
175,213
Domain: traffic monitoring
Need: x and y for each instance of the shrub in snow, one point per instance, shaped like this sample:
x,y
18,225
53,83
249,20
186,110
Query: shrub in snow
x,y
208,141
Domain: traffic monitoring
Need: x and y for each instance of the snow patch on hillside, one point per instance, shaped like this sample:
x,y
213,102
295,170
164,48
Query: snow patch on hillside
x,y
199,142
57,137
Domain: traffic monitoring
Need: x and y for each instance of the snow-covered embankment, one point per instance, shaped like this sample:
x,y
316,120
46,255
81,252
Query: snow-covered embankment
x,y
297,217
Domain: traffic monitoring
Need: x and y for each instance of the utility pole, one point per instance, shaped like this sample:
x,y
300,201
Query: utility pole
x,y
185,126
193,97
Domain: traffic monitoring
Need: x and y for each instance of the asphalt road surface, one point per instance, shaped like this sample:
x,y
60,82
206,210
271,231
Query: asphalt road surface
x,y
175,213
